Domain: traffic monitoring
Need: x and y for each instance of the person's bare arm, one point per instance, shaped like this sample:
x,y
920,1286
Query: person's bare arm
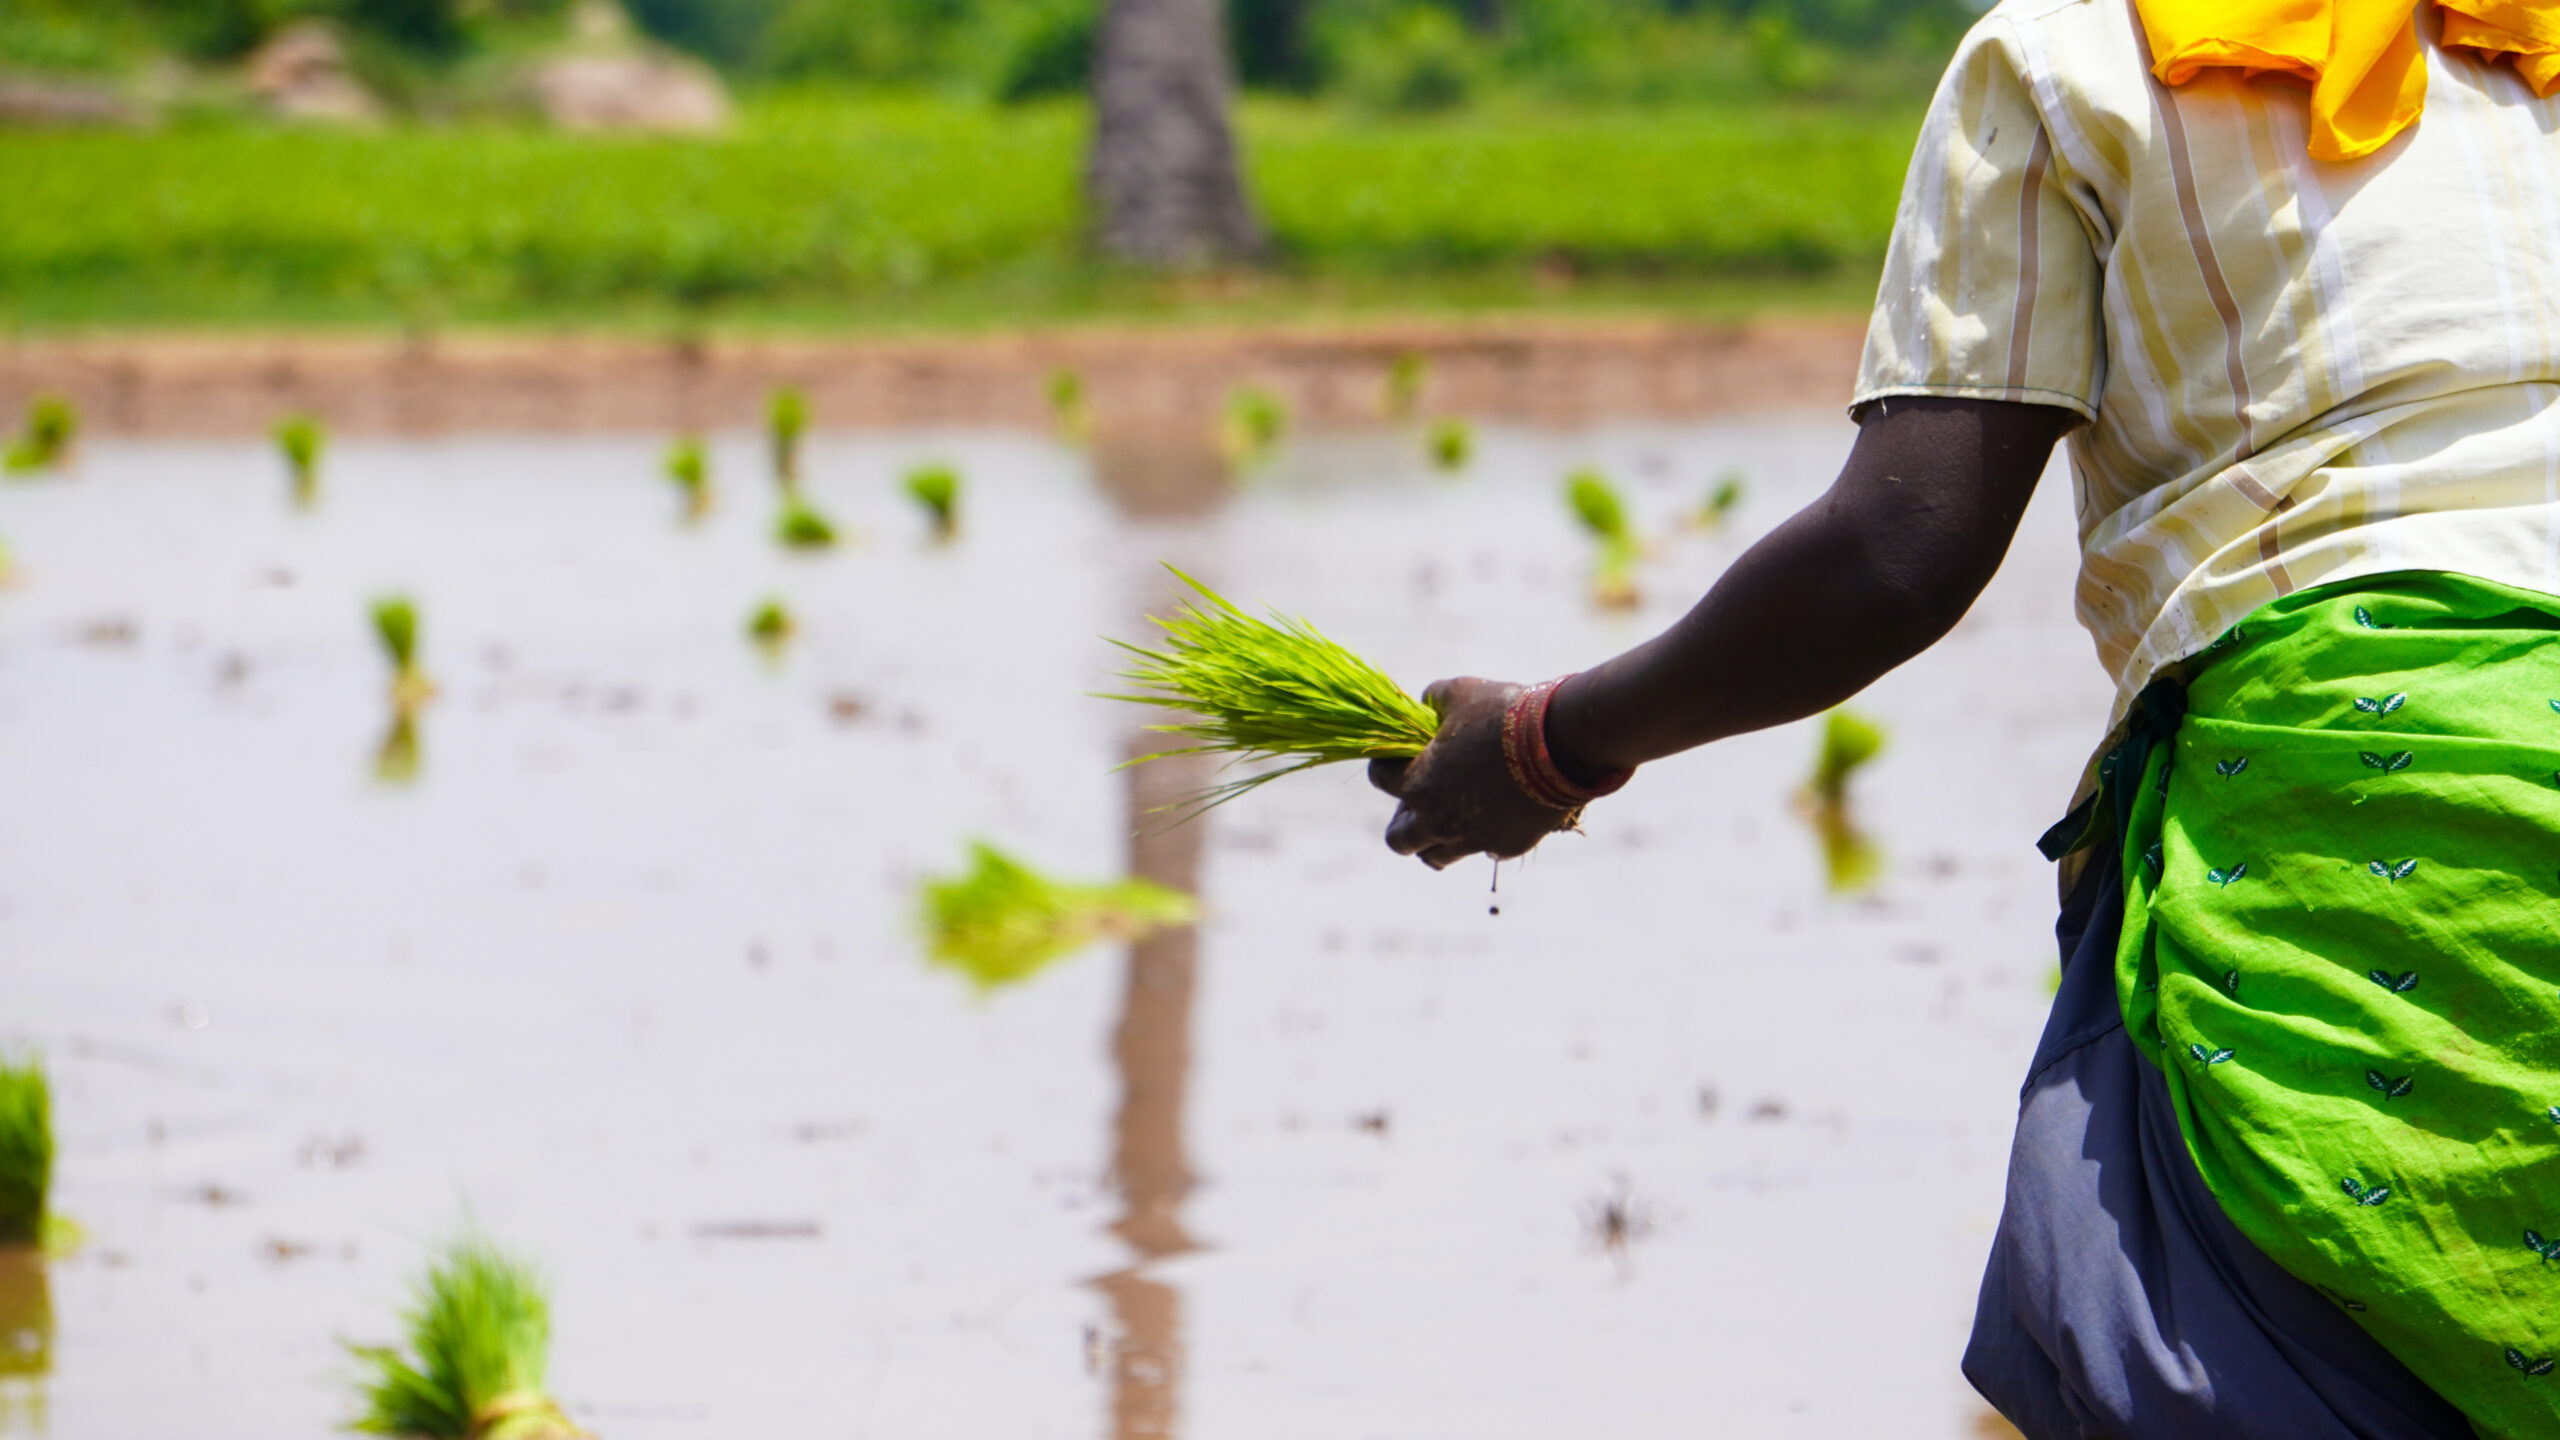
x,y
1871,574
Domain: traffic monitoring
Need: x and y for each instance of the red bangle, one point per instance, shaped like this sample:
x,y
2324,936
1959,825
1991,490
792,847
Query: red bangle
x,y
1533,768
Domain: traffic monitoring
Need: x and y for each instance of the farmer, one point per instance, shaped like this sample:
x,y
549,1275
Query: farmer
x,y
2287,277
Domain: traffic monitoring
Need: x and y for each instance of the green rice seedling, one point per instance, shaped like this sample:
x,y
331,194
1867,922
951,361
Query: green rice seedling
x,y
786,419
1272,689
1068,408
688,464
301,438
8,566
26,1338
44,443
1720,502
479,1333
1254,422
800,526
1850,860
1004,922
398,759
1452,442
1849,740
395,624
771,625
1405,375
937,489
26,1152
1596,504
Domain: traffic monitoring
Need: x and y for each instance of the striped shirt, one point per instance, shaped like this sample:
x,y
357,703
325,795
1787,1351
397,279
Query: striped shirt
x,y
2293,371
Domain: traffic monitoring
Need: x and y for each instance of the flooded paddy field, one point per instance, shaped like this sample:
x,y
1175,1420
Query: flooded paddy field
x,y
1678,1143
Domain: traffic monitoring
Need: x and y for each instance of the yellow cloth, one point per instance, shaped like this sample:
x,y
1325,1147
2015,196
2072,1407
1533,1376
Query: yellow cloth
x,y
2361,58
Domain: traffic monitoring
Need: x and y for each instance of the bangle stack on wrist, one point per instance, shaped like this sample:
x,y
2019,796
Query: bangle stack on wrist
x,y
1533,768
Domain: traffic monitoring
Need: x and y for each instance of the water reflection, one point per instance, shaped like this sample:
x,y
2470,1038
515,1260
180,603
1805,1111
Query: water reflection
x,y
396,759
26,1339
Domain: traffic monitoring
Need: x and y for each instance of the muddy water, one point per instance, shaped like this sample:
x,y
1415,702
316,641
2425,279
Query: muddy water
x,y
1676,1144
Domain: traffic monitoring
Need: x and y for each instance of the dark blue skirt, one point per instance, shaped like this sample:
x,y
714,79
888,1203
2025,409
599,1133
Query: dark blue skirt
x,y
2119,1303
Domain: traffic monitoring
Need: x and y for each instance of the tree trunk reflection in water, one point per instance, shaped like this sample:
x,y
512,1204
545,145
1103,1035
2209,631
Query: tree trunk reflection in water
x,y
1154,475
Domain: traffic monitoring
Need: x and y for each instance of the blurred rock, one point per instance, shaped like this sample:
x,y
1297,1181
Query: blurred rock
x,y
301,73
28,101
611,80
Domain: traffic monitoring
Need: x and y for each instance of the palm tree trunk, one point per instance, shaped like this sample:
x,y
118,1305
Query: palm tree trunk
x,y
1163,179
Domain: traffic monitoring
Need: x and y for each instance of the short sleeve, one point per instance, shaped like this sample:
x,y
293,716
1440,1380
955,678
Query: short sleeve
x,y
1992,287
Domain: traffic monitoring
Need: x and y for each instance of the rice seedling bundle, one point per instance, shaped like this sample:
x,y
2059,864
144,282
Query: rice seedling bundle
x,y
1255,421
1452,443
786,419
1275,689
771,625
1068,408
26,1152
800,526
688,464
395,624
1596,504
1004,922
45,440
301,438
1720,501
479,1341
937,489
1405,375
398,759
1849,740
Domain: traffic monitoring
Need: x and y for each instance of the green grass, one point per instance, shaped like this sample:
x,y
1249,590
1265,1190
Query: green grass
x,y
1269,689
1004,922
479,1338
26,1151
905,212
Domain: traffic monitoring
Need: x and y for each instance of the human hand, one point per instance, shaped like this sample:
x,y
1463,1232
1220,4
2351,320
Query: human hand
x,y
1457,797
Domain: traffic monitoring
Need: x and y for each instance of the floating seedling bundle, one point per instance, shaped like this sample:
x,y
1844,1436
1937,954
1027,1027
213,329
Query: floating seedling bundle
x,y
1274,689
395,624
26,1153
301,438
479,1332
1849,741
1451,444
1596,504
45,441
771,626
937,489
800,526
1004,922
786,420
688,464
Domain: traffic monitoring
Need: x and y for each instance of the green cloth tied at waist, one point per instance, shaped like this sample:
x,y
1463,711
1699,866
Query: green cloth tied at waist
x,y
2342,948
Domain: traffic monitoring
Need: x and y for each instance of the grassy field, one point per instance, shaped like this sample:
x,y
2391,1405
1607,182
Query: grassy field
x,y
924,212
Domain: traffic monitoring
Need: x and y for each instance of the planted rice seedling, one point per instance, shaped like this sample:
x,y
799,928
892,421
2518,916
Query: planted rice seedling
x,y
800,526
44,442
26,1152
1850,859
937,489
1068,409
786,420
301,438
1274,689
1254,422
1602,513
479,1342
8,566
398,758
1452,442
688,464
395,624
1405,375
771,625
1849,740
1004,922
1721,499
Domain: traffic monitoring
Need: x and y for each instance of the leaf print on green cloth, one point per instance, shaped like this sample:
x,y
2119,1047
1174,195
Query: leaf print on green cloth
x,y
2233,766
2400,984
2517,1358
2232,636
2365,618
2151,857
2554,1114
2392,1089
2389,703
2386,763
2230,876
2363,1194
2549,1250
2388,871
2231,983
2209,1058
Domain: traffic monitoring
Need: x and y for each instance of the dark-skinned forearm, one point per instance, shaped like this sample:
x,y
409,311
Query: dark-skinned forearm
x,y
1885,563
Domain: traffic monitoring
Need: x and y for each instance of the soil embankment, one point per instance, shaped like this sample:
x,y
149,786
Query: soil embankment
x,y
1545,372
